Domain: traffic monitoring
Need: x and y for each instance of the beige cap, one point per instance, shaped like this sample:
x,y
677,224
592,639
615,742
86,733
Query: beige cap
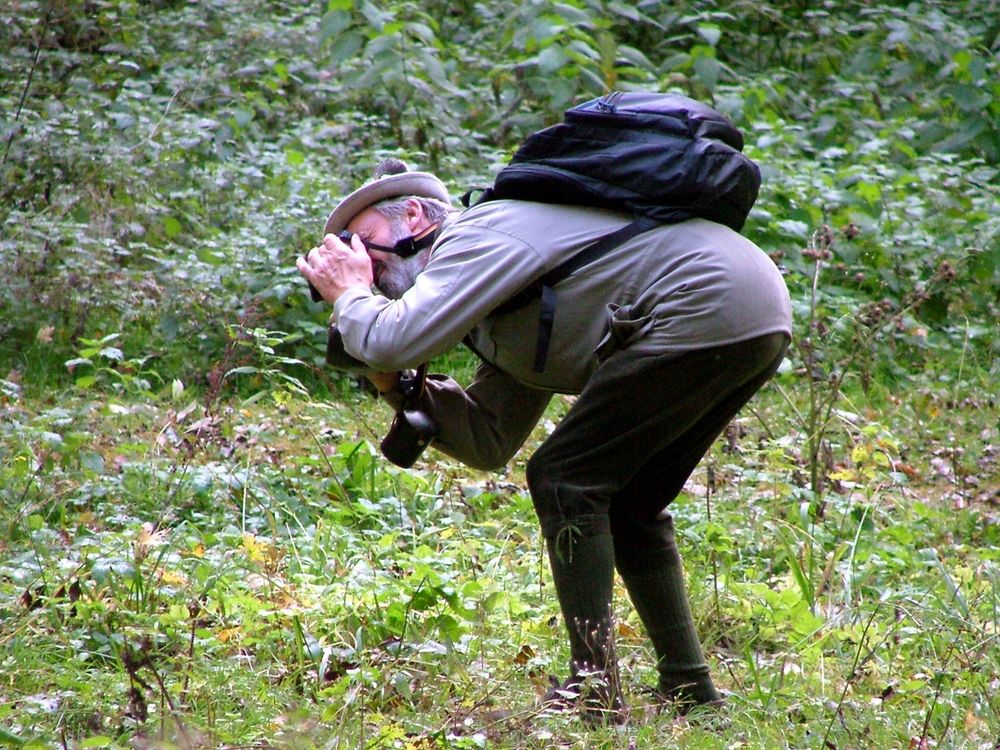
x,y
392,180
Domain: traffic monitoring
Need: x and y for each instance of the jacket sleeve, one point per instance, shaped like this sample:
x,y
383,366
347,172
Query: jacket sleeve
x,y
467,277
484,425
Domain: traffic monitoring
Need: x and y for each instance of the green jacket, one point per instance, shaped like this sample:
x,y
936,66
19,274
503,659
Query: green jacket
x,y
679,287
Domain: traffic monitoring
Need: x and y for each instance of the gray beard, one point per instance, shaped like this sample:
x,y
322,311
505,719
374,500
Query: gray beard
x,y
399,274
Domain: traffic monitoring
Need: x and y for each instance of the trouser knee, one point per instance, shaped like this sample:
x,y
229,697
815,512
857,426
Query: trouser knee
x,y
640,542
536,474
561,503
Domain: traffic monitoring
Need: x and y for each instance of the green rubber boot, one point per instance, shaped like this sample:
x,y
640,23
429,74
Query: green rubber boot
x,y
583,573
655,583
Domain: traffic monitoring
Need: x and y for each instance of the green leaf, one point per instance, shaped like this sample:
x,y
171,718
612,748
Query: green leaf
x,y
210,256
625,10
169,325
986,264
333,23
869,192
171,227
423,32
575,16
804,622
962,59
345,46
794,228
52,439
965,135
634,56
9,739
710,33
707,68
584,52
92,462
433,69
97,741
551,59
377,18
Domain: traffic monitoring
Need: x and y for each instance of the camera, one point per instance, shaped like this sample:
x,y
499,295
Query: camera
x,y
411,432
313,291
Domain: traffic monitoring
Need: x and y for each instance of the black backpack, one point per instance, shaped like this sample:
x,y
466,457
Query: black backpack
x,y
664,158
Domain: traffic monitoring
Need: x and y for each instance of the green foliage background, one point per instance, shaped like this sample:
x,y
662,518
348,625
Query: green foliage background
x,y
246,571
168,160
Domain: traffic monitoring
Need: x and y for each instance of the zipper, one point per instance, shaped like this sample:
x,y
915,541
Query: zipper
x,y
609,104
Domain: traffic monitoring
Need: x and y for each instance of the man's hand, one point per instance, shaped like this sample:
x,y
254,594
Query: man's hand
x,y
334,267
384,382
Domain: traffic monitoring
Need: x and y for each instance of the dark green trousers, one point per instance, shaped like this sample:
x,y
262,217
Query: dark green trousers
x,y
615,462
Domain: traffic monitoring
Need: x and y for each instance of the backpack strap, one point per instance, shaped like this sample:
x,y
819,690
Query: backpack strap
x,y
486,194
548,282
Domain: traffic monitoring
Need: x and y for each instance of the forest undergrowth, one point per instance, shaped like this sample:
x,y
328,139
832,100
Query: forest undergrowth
x,y
199,543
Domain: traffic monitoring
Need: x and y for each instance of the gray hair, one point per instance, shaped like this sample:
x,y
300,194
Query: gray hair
x,y
394,209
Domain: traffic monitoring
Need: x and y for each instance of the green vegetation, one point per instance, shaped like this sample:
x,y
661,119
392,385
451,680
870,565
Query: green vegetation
x,y
199,545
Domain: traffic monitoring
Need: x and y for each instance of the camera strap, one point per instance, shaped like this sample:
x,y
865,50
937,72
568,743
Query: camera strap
x,y
408,246
411,385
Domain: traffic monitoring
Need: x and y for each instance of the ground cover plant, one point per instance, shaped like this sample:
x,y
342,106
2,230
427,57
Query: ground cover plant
x,y
199,544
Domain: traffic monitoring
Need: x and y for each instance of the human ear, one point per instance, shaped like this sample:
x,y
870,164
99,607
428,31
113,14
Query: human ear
x,y
414,215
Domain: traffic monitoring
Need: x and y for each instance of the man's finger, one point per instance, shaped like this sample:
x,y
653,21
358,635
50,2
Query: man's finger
x,y
316,255
330,241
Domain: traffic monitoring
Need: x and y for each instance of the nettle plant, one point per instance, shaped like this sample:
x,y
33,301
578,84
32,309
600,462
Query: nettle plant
x,y
100,363
887,274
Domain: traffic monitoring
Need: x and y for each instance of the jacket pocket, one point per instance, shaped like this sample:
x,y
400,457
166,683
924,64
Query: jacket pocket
x,y
623,330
